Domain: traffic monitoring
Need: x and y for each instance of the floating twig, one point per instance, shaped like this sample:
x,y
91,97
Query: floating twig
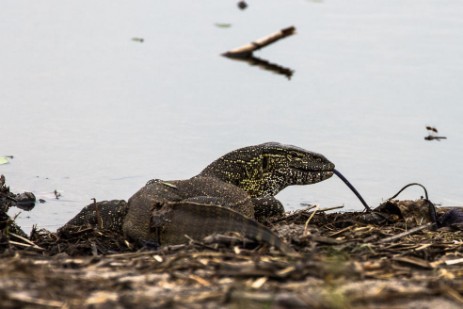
x,y
246,51
432,137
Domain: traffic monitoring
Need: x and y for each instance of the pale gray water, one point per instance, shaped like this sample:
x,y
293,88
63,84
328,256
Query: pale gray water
x,y
94,114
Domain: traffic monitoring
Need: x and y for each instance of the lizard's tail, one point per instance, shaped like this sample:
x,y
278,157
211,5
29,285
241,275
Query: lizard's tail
x,y
204,220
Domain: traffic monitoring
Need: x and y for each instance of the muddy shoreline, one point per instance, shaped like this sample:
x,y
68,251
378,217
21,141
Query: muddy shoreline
x,y
343,260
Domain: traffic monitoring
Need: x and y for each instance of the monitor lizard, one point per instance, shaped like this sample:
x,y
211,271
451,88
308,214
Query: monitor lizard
x,y
225,197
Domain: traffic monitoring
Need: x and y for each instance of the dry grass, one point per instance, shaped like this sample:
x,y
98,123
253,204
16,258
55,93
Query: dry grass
x,y
344,260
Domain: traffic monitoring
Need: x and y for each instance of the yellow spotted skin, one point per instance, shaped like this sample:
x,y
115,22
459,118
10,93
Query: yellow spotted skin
x,y
266,169
225,197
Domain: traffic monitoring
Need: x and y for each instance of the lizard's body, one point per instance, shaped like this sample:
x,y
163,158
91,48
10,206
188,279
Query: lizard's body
x,y
200,190
224,197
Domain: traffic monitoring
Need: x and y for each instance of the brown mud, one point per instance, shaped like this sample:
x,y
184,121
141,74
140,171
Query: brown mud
x,y
392,258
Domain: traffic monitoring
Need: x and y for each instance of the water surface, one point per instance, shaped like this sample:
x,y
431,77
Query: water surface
x,y
91,113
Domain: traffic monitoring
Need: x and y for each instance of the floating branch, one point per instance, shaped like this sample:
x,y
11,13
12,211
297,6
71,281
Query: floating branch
x,y
247,50
432,137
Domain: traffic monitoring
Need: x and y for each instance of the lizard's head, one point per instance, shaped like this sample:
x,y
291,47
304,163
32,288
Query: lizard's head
x,y
266,169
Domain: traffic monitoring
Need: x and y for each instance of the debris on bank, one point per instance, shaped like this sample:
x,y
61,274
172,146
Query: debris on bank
x,y
394,256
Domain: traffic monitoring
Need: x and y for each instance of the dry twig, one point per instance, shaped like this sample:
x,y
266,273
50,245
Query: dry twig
x,y
246,51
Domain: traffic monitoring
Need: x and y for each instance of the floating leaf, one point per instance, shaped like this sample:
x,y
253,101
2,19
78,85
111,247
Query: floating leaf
x,y
4,160
222,25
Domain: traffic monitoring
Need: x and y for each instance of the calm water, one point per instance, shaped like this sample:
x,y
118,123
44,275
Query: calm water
x,y
91,113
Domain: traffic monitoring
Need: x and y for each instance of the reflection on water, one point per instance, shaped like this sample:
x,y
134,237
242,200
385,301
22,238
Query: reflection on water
x,y
267,66
89,112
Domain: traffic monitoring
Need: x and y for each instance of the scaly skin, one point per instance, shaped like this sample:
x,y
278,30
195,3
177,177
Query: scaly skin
x,y
144,204
244,180
266,169
172,222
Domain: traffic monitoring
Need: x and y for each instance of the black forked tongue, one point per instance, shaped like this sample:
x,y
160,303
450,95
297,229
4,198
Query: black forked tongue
x,y
337,173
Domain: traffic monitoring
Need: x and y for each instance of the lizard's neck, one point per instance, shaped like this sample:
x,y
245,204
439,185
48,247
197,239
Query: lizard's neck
x,y
249,175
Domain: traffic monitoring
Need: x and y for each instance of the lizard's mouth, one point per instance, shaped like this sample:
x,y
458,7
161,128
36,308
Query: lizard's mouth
x,y
309,176
326,174
322,175
325,168
309,173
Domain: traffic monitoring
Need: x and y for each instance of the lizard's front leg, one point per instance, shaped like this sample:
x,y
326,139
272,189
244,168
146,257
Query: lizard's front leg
x,y
265,207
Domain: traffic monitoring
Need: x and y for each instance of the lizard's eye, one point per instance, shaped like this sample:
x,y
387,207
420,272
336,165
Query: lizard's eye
x,y
295,154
